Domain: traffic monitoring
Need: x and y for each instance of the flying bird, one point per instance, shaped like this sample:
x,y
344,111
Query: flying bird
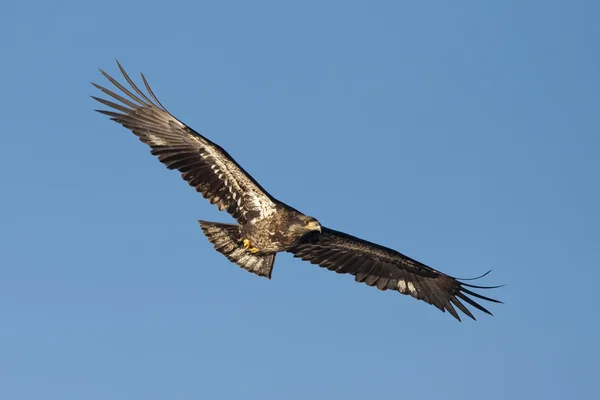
x,y
266,226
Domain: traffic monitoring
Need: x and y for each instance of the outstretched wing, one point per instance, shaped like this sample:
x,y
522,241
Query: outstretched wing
x,y
385,268
202,163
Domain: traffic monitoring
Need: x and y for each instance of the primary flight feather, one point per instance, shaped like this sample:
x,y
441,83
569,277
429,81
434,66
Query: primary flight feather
x,y
266,226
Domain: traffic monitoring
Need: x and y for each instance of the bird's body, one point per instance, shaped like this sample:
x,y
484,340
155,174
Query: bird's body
x,y
273,234
266,226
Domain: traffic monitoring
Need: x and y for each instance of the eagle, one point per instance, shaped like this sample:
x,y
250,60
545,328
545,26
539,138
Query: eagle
x,y
266,226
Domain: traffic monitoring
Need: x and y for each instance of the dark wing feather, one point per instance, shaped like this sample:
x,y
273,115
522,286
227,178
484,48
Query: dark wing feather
x,y
202,163
385,268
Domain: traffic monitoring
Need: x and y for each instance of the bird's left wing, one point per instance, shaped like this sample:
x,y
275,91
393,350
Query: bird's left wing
x,y
385,268
202,163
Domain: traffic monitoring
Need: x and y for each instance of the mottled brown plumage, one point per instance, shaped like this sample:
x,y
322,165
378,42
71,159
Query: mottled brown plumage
x,y
266,226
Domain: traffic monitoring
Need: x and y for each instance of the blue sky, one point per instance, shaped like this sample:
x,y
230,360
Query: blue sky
x,y
464,134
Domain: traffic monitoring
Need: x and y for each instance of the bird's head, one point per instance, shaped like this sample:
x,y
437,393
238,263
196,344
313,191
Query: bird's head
x,y
305,224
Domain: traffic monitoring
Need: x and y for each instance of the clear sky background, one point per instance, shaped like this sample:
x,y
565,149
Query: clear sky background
x,y
465,134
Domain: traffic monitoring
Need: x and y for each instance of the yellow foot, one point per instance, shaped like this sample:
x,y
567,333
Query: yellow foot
x,y
247,245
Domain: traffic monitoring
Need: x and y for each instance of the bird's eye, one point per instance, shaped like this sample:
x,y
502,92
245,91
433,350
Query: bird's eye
x,y
306,222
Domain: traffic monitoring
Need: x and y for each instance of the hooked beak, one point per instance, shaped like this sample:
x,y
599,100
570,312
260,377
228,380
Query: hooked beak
x,y
313,226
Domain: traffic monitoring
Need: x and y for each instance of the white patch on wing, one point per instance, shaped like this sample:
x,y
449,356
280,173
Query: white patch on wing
x,y
401,285
412,289
157,141
247,195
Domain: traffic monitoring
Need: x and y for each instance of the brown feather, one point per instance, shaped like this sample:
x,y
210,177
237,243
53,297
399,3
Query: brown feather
x,y
379,266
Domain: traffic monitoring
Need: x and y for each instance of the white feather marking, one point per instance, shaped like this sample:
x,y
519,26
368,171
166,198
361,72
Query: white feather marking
x,y
412,288
237,184
157,141
236,253
401,285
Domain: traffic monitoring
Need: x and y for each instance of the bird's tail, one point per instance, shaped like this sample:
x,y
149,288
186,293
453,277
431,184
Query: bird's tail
x,y
227,240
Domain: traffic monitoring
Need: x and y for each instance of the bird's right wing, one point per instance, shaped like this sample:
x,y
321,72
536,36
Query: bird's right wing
x,y
202,163
385,268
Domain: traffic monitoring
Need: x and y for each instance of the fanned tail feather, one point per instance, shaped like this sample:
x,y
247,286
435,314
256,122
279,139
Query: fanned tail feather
x,y
227,240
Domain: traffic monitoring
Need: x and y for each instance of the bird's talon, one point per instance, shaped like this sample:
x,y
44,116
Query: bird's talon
x,y
247,245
